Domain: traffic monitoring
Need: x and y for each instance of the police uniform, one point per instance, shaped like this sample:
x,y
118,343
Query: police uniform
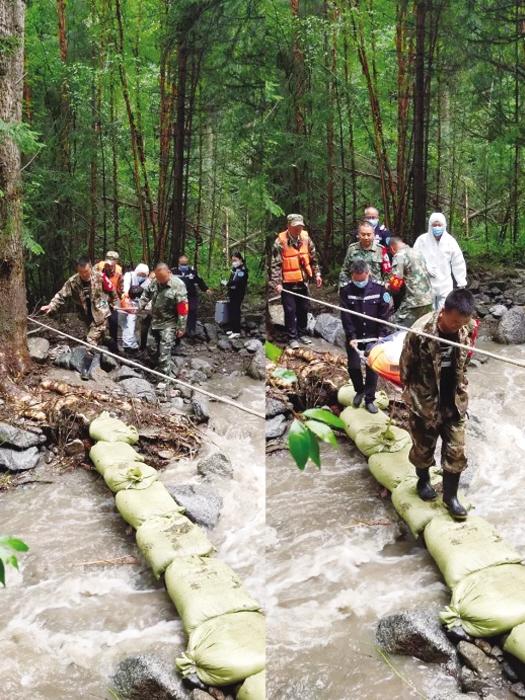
x,y
236,286
193,282
372,300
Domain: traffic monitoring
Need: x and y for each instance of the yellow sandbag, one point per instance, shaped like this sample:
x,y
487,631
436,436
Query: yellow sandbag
x,y
379,438
226,649
108,454
202,588
138,506
488,602
355,419
253,688
391,468
162,539
346,394
515,643
461,548
110,429
134,476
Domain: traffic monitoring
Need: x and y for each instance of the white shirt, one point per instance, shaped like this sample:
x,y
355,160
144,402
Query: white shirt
x,y
443,259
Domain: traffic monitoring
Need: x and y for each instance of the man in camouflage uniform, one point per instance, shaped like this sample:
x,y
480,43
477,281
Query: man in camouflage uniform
x,y
368,250
409,270
169,312
435,390
93,293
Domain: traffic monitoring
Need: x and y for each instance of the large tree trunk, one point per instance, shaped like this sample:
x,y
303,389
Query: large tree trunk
x,y
14,358
419,189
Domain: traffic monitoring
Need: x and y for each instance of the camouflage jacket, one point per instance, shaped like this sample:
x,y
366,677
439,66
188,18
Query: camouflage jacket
x,y
409,266
376,256
101,301
169,304
420,370
277,260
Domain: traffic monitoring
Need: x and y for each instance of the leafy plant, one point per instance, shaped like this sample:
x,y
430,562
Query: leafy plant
x,y
287,376
304,437
273,352
9,545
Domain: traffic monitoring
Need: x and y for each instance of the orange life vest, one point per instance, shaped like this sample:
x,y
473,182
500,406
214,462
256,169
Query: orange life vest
x,y
295,260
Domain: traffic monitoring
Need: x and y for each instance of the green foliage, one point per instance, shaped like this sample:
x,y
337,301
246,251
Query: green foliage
x,y
25,138
304,437
8,547
273,352
287,376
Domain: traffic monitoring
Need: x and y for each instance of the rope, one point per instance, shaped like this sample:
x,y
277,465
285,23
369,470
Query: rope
x,y
103,351
470,348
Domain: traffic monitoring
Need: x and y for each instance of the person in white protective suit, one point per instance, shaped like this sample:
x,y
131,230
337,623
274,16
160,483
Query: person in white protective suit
x,y
443,258
135,282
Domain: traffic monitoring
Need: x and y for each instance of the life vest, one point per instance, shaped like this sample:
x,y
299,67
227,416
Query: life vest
x,y
295,261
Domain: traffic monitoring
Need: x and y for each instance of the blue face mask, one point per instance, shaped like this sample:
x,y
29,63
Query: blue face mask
x,y
373,222
361,284
438,230
184,268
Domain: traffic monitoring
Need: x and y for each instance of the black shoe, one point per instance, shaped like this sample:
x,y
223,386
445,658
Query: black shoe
x,y
358,399
450,496
85,372
371,407
425,489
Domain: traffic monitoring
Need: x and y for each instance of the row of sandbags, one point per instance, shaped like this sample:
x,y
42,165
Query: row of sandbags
x,y
225,625
485,574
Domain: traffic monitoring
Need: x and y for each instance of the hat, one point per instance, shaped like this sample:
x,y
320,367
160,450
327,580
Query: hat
x,y
112,255
142,269
295,220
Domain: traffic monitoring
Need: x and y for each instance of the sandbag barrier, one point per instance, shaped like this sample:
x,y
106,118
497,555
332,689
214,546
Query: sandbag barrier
x,y
484,573
224,624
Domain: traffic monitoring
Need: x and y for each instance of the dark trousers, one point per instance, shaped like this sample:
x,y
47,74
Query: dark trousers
x,y
369,385
113,330
193,308
295,310
234,314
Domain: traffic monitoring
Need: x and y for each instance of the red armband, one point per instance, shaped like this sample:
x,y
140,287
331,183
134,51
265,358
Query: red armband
x,y
182,308
396,283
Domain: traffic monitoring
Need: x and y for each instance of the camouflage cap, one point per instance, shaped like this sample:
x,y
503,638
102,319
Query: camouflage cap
x,y
295,220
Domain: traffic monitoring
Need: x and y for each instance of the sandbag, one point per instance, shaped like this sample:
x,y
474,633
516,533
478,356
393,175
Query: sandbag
x,y
515,643
356,419
379,438
134,476
138,506
110,429
109,454
162,539
488,602
203,588
226,649
461,548
414,511
391,468
253,688
346,394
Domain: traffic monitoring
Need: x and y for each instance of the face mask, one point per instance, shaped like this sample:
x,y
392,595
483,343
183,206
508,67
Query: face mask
x,y
184,268
361,284
236,264
438,230
374,222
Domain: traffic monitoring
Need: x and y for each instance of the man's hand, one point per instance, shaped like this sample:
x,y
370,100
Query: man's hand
x,y
180,333
46,309
353,343
279,288
318,281
209,292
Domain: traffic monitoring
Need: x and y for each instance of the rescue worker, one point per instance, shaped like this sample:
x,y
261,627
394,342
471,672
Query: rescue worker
x,y
113,271
443,258
169,311
236,286
193,282
366,296
135,281
366,249
294,265
409,271
92,292
381,234
435,390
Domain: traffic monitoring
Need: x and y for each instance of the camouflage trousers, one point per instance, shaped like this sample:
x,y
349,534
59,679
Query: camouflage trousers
x,y
424,440
96,332
159,345
408,315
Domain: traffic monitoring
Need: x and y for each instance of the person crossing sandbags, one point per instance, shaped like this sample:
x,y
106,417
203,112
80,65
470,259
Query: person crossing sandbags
x,y
435,390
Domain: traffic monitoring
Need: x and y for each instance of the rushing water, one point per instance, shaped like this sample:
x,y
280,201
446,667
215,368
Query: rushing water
x,y
338,561
65,623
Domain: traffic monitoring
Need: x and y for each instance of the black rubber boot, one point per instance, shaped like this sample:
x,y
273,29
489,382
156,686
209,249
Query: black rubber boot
x,y
85,372
371,407
450,496
357,383
424,487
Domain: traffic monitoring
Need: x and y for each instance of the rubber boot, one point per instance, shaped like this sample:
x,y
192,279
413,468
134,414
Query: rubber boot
x,y
85,372
357,383
424,487
450,496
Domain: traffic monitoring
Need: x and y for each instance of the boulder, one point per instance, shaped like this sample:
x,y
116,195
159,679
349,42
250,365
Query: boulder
x,y
126,372
274,407
276,314
211,332
224,344
253,345
498,310
148,676
257,367
215,465
201,365
478,661
201,504
19,438
19,460
38,348
139,388
237,344
275,427
329,327
511,328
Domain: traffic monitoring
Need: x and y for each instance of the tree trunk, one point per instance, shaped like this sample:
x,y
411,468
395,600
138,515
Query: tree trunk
x,y
330,71
418,168
179,150
14,358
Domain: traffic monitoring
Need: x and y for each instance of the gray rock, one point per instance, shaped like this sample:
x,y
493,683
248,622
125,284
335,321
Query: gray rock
x,y
498,310
107,362
253,345
148,676
275,427
511,328
237,343
19,460
415,633
126,372
139,388
177,405
19,438
257,367
485,687
38,348
275,408
211,332
76,358
476,659
224,344
200,407
216,464
518,689
201,365
328,327
202,505
200,332
201,695
276,313
75,448
194,376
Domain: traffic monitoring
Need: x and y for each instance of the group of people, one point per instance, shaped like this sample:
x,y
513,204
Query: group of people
x,y
166,300
385,279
